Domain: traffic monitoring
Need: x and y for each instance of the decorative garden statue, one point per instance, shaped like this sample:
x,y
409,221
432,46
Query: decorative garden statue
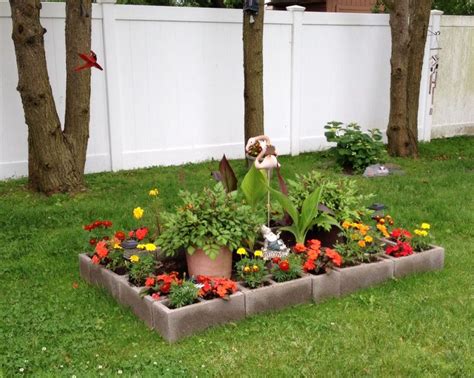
x,y
273,246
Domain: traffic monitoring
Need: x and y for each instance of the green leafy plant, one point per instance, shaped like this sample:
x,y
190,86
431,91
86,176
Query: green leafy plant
x,y
208,221
355,149
183,294
286,269
341,195
254,186
306,218
251,270
422,238
116,263
141,267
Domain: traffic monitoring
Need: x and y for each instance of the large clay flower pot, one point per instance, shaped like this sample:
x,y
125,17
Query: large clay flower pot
x,y
200,264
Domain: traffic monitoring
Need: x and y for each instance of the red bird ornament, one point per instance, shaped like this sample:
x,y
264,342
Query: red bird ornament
x,y
91,61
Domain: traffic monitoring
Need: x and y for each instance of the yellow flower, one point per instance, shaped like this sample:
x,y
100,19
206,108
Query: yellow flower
x,y
346,224
134,258
138,212
369,239
424,233
246,269
117,246
355,237
256,268
361,243
383,230
425,226
140,246
241,251
153,192
258,253
150,247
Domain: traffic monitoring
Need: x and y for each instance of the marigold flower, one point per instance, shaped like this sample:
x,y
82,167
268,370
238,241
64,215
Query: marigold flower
x,y
150,281
299,247
334,256
153,192
346,224
255,268
284,265
314,244
155,296
134,258
117,246
150,247
276,260
383,230
258,253
101,249
425,226
421,232
138,212
361,243
120,235
95,259
246,269
368,239
241,251
141,233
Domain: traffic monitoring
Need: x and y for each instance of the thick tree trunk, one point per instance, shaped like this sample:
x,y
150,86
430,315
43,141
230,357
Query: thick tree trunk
x,y
408,23
78,84
52,164
253,72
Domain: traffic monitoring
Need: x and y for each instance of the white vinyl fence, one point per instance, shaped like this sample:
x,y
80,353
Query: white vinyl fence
x,y
172,86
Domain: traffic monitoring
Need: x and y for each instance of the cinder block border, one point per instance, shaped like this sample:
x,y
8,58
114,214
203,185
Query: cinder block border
x,y
325,286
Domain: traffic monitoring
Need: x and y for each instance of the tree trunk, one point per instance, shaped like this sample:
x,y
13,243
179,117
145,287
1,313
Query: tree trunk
x,y
253,72
52,165
408,24
78,84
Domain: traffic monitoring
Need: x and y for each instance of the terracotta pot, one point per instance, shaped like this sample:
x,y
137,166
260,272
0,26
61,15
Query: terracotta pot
x,y
200,264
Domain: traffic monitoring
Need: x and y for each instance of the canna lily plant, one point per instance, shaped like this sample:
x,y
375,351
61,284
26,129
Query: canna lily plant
x,y
309,216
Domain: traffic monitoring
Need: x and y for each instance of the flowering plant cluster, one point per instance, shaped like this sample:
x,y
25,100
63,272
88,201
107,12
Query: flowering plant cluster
x,y
286,269
251,270
383,225
317,260
156,286
403,248
97,230
101,251
422,239
139,234
140,269
361,244
214,287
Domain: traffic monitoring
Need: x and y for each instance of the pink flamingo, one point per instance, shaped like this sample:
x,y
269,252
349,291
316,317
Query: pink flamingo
x,y
266,159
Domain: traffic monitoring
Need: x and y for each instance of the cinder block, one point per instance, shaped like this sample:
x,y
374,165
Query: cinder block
x,y
174,324
112,281
129,296
84,264
326,286
278,295
418,262
358,277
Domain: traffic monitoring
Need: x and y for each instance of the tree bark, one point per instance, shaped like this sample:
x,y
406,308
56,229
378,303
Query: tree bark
x,y
408,24
253,72
78,84
52,165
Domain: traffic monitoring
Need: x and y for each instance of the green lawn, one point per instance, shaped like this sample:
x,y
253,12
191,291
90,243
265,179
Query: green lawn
x,y
421,325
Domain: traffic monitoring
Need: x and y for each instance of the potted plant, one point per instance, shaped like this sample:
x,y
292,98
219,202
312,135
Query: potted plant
x,y
209,226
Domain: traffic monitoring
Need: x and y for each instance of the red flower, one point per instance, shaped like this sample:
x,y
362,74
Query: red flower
x,y
400,250
299,248
101,249
165,288
75,285
313,254
107,224
105,238
88,227
150,281
284,265
400,232
120,235
130,234
314,244
141,233
95,260
97,224
309,265
335,257
276,260
92,241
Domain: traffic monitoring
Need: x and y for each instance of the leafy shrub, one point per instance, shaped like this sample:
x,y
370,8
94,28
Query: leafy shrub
x,y
340,195
355,149
208,221
183,294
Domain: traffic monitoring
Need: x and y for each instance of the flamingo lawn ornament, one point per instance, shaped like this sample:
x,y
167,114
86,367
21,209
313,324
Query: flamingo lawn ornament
x,y
266,160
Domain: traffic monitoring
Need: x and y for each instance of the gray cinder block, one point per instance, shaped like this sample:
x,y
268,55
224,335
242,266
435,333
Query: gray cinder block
x,y
418,262
325,286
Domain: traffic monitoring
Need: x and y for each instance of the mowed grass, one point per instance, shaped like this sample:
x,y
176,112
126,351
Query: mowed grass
x,y
421,325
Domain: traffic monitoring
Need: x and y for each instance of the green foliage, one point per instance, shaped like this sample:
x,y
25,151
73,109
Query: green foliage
x,y
305,219
208,220
183,294
254,186
252,271
341,195
116,261
294,269
140,270
455,7
355,149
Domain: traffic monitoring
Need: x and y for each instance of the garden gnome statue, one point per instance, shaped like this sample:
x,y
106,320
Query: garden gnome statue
x,y
273,246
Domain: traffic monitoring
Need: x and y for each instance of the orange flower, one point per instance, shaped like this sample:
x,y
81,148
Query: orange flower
x,y
314,244
361,243
101,249
299,247
334,256
95,260
313,254
383,230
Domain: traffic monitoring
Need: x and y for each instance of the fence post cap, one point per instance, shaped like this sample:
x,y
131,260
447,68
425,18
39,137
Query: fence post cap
x,y
295,8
